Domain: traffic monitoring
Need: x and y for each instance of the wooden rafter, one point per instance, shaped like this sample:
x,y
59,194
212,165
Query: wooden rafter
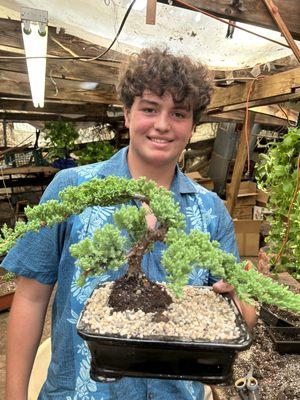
x,y
284,83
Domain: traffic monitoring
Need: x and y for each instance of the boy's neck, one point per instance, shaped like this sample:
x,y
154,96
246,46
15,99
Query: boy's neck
x,y
162,175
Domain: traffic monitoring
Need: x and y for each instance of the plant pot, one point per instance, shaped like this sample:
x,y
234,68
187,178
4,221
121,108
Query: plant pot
x,y
205,361
285,339
7,291
6,301
274,318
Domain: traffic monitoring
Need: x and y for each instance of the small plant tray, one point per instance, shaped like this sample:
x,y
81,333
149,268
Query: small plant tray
x,y
285,339
209,362
272,319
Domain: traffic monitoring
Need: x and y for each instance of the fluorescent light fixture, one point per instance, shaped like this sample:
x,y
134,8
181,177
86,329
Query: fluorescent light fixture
x,y
35,36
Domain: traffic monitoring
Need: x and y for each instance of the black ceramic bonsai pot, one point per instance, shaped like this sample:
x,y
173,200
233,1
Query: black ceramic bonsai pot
x,y
205,361
285,339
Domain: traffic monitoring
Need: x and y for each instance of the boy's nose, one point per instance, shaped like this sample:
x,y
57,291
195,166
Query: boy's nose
x,y
162,123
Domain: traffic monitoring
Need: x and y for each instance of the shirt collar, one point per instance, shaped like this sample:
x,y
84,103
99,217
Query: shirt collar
x,y
118,166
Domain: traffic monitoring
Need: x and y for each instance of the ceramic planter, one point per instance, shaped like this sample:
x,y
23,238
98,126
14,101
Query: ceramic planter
x,y
210,362
285,339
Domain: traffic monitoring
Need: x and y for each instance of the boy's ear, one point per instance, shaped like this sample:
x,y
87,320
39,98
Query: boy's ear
x,y
127,117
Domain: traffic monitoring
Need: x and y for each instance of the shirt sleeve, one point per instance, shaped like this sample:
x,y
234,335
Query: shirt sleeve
x,y
224,234
37,254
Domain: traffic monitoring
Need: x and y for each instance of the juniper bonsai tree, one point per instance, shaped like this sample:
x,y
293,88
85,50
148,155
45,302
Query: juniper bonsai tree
x,y
109,249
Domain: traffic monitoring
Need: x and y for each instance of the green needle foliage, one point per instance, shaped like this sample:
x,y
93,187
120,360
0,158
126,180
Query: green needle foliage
x,y
110,248
277,173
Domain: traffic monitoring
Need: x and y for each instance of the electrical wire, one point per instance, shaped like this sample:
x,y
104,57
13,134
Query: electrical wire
x,y
83,58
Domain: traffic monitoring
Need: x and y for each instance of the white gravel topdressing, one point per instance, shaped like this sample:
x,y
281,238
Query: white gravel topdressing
x,y
199,314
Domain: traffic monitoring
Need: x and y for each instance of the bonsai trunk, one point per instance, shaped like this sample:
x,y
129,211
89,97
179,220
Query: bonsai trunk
x,y
134,291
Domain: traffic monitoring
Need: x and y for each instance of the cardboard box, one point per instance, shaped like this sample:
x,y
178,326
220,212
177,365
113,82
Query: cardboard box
x,y
262,197
243,212
247,193
247,235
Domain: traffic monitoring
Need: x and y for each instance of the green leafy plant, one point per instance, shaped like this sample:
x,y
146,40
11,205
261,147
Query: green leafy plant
x,y
60,138
109,249
95,152
279,174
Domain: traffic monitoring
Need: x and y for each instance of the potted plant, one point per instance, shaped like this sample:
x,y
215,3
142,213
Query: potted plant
x,y
279,174
95,152
60,138
109,249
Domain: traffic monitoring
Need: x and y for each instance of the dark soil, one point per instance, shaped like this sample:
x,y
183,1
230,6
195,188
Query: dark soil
x,y
277,375
284,314
138,293
287,335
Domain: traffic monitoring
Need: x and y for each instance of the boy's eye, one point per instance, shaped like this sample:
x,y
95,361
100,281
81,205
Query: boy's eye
x,y
148,110
179,115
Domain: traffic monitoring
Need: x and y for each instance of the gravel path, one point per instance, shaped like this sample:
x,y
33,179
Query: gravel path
x,y
199,314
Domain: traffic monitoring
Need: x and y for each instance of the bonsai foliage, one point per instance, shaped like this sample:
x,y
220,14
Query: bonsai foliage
x,y
279,174
130,239
60,137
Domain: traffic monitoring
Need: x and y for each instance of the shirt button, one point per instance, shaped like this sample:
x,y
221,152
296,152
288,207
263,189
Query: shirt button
x,y
150,396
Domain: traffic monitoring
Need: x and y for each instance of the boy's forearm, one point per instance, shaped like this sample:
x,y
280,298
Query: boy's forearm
x,y
25,327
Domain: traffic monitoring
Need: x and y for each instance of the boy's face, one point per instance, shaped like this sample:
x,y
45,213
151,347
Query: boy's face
x,y
159,129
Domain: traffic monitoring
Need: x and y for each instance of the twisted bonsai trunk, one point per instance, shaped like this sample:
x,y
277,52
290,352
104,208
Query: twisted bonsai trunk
x,y
134,291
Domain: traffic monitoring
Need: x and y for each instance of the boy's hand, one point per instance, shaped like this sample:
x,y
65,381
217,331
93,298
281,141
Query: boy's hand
x,y
247,310
223,287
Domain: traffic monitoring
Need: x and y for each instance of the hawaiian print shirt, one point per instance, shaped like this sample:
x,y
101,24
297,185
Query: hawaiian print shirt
x,y
45,257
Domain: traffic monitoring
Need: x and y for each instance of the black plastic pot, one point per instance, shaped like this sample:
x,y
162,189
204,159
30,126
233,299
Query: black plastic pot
x,y
285,339
209,362
272,319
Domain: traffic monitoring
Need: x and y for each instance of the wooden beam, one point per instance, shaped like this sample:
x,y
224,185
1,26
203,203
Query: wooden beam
x,y
275,14
151,12
239,166
69,69
251,12
17,116
274,85
92,109
239,116
14,83
256,103
11,35
277,111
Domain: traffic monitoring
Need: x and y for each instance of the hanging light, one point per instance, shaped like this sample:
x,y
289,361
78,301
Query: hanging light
x,y
35,36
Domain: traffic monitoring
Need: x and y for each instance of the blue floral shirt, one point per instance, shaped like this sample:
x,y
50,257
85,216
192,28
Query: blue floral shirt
x,y
45,257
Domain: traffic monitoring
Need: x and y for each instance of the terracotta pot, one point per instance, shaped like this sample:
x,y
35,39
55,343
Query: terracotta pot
x,y
6,301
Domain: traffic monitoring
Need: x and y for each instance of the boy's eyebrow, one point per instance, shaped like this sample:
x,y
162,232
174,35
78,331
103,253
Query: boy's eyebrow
x,y
150,102
178,106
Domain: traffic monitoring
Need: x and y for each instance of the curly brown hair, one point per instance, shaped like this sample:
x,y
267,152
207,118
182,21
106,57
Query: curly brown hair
x,y
189,83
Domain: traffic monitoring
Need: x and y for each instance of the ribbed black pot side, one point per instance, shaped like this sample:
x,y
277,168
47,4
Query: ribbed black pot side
x,y
208,362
